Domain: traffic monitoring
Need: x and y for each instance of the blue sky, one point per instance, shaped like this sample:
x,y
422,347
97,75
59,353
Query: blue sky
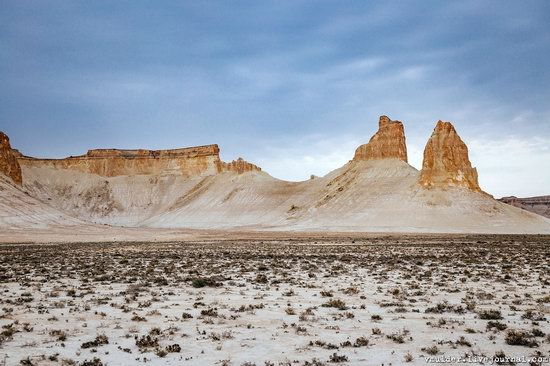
x,y
294,86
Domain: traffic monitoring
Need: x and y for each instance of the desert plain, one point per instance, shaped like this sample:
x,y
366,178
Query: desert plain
x,y
278,299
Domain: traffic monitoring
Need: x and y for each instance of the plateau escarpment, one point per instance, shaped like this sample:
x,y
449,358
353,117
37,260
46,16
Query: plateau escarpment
x,y
125,187
539,205
187,162
191,161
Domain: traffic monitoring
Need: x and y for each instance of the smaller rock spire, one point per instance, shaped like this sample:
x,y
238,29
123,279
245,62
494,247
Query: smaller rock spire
x,y
388,142
240,166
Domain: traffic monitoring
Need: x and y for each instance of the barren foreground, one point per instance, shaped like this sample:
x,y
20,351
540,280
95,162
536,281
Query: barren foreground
x,y
308,301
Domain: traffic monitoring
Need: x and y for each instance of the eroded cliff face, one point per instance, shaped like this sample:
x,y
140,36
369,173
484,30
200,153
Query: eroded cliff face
x,y
8,160
123,187
388,142
240,166
187,162
446,162
192,161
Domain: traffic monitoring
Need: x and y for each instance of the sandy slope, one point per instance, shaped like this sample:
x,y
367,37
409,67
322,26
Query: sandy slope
x,y
381,195
24,219
19,210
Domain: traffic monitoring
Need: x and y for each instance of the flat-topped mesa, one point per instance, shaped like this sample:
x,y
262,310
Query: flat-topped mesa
x,y
8,160
142,153
388,142
446,161
240,166
189,161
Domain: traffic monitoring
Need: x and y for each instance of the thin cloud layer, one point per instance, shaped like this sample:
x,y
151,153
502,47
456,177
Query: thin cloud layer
x,y
294,86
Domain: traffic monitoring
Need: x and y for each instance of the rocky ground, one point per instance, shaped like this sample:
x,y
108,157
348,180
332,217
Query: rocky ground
x,y
370,300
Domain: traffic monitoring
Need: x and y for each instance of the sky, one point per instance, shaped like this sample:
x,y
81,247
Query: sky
x,y
292,86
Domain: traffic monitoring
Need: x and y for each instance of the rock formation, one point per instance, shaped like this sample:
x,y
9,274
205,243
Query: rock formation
x,y
388,142
446,161
240,166
192,188
187,162
539,205
8,161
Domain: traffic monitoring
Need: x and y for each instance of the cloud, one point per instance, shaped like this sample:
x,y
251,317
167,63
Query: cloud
x,y
312,155
512,166
298,81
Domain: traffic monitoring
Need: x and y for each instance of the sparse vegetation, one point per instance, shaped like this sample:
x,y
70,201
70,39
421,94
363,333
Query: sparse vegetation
x,y
203,282
490,315
432,350
147,341
335,358
496,325
516,337
141,299
100,340
336,303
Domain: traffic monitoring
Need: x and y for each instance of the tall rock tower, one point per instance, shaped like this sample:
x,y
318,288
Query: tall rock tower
x,y
446,161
